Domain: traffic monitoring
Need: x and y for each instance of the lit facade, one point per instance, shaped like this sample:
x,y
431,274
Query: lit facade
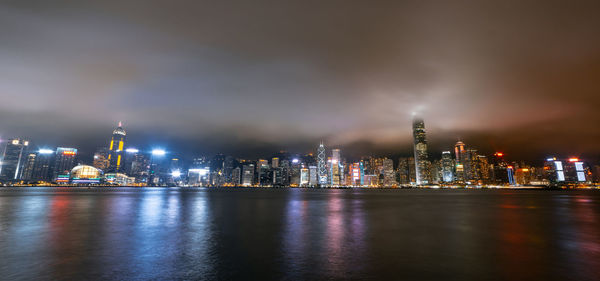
x,y
116,149
420,151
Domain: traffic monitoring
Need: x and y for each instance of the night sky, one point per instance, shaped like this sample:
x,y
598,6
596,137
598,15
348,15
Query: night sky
x,y
252,77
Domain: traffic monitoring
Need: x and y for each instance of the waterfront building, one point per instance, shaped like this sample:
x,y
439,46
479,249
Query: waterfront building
x,y
447,167
101,159
43,166
313,172
236,176
406,171
248,175
199,176
322,165
82,174
420,151
336,167
116,149
304,177
118,179
356,174
29,166
499,169
64,162
13,158
389,175
569,171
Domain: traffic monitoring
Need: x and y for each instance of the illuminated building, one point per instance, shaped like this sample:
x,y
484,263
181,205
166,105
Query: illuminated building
x,y
356,174
420,149
275,162
294,172
336,167
84,174
248,175
322,165
304,177
523,176
313,172
447,167
459,149
13,159
406,171
101,159
64,162
569,171
29,166
483,169
42,168
511,175
236,175
263,175
389,175
499,169
200,176
116,149
118,179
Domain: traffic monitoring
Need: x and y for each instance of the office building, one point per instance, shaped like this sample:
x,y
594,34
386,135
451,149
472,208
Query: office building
x,y
13,158
420,151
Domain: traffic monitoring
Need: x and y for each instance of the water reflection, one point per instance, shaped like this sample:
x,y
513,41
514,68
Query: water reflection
x,y
324,234
298,234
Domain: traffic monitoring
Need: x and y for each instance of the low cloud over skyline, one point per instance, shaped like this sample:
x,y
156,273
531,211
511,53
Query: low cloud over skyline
x,y
254,77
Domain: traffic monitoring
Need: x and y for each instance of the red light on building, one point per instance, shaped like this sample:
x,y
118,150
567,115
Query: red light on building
x,y
510,167
499,154
573,159
68,152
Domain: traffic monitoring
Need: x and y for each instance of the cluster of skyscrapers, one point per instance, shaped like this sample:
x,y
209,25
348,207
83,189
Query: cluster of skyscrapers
x,y
119,164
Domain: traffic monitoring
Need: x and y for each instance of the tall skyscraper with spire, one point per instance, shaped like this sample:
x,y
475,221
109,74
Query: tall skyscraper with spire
x,y
322,165
116,149
420,145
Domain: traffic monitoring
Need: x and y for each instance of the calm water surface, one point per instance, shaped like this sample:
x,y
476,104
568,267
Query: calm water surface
x,y
298,234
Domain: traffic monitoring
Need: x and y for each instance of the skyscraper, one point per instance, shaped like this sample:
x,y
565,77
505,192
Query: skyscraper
x,y
116,149
420,145
389,175
459,149
65,161
29,166
321,164
101,159
248,174
447,167
335,167
13,159
42,169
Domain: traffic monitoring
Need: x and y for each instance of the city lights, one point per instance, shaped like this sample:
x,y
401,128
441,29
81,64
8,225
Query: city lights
x,y
45,151
464,166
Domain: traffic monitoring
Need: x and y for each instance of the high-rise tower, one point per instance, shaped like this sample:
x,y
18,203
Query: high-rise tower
x,y
336,167
421,159
12,159
116,149
321,165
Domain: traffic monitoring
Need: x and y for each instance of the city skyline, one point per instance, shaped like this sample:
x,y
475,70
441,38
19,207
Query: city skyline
x,y
406,150
123,163
518,77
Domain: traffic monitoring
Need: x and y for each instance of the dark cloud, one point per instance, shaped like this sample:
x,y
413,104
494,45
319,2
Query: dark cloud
x,y
249,77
